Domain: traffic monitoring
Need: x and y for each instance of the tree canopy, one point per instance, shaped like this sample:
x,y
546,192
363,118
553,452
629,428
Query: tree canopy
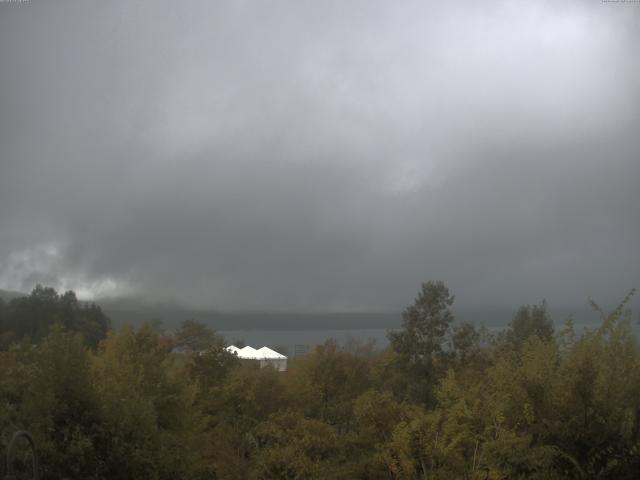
x,y
33,316
444,400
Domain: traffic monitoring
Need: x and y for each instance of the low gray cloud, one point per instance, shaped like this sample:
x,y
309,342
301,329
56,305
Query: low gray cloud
x,y
320,156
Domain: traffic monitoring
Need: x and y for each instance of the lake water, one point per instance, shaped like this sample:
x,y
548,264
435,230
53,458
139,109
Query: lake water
x,y
287,340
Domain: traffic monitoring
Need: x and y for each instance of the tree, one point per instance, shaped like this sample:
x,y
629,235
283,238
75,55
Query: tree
x,y
294,447
208,358
420,342
248,396
34,315
147,408
211,366
60,405
327,381
195,337
466,342
530,321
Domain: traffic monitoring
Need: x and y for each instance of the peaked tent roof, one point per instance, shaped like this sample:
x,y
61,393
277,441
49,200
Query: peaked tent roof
x,y
266,352
253,354
247,352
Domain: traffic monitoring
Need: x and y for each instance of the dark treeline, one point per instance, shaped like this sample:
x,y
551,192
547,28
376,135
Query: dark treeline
x,y
132,312
32,316
445,400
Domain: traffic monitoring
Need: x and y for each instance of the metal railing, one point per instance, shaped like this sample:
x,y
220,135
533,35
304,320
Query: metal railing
x,y
10,454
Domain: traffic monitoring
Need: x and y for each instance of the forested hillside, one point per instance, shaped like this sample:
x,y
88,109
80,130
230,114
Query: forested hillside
x,y
445,400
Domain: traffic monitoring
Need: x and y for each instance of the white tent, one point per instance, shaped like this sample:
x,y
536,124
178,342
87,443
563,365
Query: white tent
x,y
266,352
247,352
264,355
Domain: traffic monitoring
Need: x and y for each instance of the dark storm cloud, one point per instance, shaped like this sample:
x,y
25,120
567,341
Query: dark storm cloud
x,y
320,155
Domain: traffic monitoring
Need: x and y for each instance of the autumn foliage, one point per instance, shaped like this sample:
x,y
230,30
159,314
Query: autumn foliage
x,y
444,401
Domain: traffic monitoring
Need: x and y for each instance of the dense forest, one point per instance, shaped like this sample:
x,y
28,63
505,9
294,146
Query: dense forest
x,y
445,400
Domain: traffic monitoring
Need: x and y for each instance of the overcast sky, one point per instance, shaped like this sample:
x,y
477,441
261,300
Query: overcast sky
x,y
321,155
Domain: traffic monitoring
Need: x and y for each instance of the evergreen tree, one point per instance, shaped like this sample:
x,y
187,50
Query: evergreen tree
x,y
420,344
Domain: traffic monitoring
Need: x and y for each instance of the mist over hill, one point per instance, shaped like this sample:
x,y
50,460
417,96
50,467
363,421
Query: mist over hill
x,y
8,295
135,312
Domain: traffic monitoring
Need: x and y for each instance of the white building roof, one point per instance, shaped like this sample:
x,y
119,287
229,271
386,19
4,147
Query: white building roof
x,y
247,352
266,352
253,354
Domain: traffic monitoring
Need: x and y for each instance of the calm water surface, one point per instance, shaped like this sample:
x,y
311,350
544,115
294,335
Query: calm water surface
x,y
285,341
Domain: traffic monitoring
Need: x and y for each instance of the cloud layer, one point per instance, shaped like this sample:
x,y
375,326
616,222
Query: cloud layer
x,y
320,155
